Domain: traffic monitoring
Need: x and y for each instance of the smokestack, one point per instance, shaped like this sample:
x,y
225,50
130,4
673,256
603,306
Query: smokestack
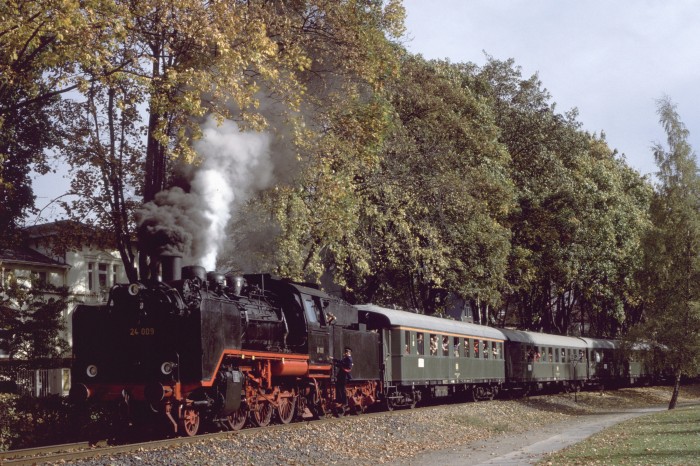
x,y
171,266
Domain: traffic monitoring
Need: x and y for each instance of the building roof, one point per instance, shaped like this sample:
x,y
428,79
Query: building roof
x,y
68,235
26,256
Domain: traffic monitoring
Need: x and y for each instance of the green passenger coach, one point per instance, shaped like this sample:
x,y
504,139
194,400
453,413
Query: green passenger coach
x,y
537,361
426,356
605,362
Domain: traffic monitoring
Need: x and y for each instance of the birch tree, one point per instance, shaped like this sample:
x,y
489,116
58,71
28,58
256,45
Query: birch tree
x,y
672,279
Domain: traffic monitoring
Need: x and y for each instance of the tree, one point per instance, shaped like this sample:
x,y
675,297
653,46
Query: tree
x,y
671,320
42,44
175,64
434,207
403,196
32,319
579,212
613,209
24,134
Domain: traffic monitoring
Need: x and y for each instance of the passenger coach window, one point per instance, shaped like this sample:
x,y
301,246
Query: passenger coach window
x,y
455,347
494,350
485,350
445,346
433,344
467,348
476,348
420,344
407,342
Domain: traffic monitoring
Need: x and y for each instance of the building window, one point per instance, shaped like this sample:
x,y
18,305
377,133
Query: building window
x,y
40,279
91,269
102,276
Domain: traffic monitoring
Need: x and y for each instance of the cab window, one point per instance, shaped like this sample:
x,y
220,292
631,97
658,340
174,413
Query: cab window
x,y
310,310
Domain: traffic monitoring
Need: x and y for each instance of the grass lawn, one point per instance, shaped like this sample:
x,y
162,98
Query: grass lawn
x,y
669,437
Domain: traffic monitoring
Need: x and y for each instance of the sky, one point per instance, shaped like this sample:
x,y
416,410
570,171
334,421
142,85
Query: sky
x,y
612,59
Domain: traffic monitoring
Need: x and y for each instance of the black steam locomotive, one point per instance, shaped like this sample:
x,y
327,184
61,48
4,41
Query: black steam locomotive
x,y
224,349
202,346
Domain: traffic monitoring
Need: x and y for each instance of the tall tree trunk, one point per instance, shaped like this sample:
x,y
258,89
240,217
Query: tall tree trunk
x,y
154,179
676,389
479,314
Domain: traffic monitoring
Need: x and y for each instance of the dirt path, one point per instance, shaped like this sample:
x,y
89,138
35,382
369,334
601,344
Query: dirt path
x,y
529,447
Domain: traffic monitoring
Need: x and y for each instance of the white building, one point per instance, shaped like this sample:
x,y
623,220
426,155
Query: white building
x,y
63,254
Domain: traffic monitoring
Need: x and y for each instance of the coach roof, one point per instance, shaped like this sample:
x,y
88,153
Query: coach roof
x,y
399,318
600,343
544,339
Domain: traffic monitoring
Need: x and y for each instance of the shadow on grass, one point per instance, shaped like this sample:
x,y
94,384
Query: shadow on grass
x,y
646,457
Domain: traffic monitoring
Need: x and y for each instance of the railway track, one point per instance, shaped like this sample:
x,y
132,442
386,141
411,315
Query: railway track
x,y
84,450
66,453
56,452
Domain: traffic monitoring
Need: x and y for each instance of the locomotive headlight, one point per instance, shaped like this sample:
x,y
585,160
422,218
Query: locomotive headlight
x,y
167,367
134,289
91,370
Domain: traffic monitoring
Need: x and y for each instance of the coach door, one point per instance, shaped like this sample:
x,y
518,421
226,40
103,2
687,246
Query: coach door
x,y
319,340
387,365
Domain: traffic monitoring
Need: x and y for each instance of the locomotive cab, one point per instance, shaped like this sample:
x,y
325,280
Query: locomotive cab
x,y
304,311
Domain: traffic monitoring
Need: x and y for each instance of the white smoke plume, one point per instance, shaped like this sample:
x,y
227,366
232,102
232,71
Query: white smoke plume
x,y
234,166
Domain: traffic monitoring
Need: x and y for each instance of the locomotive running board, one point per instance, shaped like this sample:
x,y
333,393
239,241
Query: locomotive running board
x,y
252,355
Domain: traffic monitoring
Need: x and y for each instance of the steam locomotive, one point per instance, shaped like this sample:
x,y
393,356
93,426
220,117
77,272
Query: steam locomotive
x,y
226,350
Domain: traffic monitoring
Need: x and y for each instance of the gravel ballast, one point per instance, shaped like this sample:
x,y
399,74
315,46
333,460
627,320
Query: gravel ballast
x,y
399,436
